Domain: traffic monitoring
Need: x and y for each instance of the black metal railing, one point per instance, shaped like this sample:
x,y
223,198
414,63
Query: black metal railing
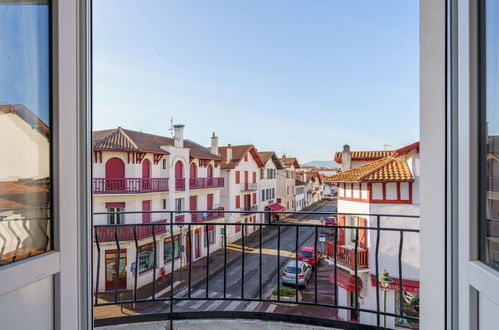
x,y
181,268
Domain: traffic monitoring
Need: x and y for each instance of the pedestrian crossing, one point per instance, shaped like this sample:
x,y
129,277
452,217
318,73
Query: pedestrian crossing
x,y
212,305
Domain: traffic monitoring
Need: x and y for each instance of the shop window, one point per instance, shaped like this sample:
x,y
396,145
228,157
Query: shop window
x,y
146,257
410,307
172,249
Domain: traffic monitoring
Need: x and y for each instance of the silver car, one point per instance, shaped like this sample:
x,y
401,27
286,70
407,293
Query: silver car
x,y
288,276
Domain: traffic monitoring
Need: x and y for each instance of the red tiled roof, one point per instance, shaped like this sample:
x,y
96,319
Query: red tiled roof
x,y
288,161
238,153
120,139
266,155
387,169
23,194
29,117
365,155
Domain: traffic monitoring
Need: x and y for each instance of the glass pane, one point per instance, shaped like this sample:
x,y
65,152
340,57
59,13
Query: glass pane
x,y
490,223
25,116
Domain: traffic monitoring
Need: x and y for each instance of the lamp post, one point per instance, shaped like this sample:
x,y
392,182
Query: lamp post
x,y
385,280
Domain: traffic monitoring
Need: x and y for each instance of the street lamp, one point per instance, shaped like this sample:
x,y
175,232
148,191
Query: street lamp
x,y
385,280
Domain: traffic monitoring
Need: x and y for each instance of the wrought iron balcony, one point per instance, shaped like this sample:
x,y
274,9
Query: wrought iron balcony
x,y
249,186
129,185
180,184
252,208
205,183
246,271
202,216
113,233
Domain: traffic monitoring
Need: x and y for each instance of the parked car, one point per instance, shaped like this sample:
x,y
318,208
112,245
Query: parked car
x,y
303,269
328,197
306,254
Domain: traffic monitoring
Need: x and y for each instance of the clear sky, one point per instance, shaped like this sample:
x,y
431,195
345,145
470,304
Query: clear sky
x,y
302,77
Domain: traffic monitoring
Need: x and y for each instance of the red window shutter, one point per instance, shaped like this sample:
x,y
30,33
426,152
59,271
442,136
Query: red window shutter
x,y
210,202
238,202
193,201
254,177
341,222
362,233
146,206
238,177
254,198
238,228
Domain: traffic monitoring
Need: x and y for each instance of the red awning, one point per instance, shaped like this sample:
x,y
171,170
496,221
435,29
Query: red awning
x,y
345,280
407,285
275,207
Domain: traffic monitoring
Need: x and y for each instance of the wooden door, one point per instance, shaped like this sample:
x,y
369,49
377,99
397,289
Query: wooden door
x,y
188,247
146,174
341,231
362,233
210,202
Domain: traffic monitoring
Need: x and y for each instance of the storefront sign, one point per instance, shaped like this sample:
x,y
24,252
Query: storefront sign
x,y
407,285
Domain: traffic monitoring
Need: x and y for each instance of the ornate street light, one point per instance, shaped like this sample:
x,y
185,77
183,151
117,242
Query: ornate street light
x,y
385,280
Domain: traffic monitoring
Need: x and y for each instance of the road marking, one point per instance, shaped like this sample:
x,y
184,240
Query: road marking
x,y
165,290
232,306
214,305
252,306
196,294
271,308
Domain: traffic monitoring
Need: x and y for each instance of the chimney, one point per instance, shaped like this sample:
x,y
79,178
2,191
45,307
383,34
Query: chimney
x,y
178,134
346,158
214,144
229,153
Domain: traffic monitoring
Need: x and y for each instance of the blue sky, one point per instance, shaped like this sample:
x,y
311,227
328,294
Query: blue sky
x,y
302,77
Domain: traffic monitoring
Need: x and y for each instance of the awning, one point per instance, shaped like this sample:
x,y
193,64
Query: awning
x,y
407,285
345,280
275,207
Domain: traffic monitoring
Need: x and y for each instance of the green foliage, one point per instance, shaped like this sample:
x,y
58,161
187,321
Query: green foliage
x,y
285,292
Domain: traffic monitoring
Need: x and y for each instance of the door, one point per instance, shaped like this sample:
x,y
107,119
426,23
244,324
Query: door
x,y
146,175
246,178
362,233
112,268
193,206
146,217
247,201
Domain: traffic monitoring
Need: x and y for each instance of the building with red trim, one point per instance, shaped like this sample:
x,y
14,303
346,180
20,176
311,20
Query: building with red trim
x,y
136,171
286,185
376,182
268,182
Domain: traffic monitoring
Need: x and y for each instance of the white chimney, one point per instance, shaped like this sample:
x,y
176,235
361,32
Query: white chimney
x,y
229,153
214,144
346,158
178,134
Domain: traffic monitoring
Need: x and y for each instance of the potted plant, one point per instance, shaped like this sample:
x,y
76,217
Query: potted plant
x,y
286,295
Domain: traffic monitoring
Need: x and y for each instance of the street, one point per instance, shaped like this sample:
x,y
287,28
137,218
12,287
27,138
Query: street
x,y
248,281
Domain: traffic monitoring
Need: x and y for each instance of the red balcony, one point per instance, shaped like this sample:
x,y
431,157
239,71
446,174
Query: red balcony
x,y
125,233
180,218
203,183
346,255
180,184
129,185
202,217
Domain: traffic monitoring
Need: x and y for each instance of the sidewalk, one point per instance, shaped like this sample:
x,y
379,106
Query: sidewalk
x,y
180,278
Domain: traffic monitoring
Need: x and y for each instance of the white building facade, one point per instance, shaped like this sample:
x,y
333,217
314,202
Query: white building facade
x,y
388,186
140,172
286,182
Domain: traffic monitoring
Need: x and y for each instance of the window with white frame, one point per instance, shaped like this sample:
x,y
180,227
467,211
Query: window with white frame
x,y
179,204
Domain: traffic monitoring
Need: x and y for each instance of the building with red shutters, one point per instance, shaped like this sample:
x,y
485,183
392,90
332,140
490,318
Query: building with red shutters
x,y
136,171
241,172
379,183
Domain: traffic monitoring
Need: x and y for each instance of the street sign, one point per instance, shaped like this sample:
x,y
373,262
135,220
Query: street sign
x,y
322,238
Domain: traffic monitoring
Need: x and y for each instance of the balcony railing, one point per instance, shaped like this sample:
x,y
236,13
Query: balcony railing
x,y
249,271
112,233
204,183
249,186
252,208
345,255
129,185
202,217
179,183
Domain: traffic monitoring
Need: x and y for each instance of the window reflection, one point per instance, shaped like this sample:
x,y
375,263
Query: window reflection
x,y
25,135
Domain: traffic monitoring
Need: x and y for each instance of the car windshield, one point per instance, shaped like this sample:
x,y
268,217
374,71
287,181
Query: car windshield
x,y
306,254
292,270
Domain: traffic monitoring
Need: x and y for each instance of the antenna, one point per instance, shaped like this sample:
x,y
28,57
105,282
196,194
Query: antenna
x,y
171,126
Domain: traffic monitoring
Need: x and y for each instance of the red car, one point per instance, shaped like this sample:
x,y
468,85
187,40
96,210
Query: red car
x,y
306,254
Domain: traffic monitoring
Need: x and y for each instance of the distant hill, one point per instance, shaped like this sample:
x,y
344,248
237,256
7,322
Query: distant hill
x,y
321,163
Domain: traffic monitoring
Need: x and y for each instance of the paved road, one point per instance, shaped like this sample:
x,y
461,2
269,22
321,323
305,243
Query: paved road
x,y
247,279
